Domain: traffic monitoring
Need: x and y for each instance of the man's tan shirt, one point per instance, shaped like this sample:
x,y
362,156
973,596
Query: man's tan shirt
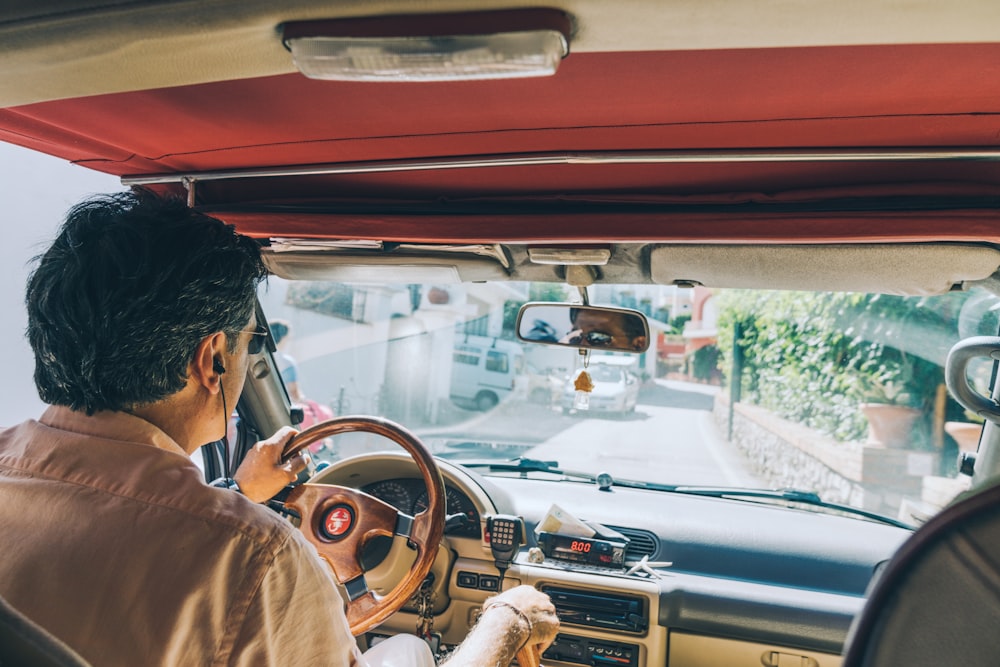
x,y
114,543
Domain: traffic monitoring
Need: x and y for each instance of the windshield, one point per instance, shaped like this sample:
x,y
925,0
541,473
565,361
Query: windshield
x,y
837,394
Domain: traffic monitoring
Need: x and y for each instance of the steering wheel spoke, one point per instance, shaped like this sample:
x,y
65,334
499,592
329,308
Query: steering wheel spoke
x,y
339,521
404,526
424,527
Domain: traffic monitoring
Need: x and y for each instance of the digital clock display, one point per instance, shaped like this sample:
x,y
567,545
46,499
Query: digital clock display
x,y
580,547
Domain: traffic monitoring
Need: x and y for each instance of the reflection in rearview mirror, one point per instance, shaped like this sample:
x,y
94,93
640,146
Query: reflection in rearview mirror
x,y
570,325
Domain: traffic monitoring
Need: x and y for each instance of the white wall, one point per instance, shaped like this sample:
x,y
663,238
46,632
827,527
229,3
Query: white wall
x,y
35,192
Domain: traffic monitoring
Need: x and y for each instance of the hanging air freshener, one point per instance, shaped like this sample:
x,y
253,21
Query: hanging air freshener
x,y
583,385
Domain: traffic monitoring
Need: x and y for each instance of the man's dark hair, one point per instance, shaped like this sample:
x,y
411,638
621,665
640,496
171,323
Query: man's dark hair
x,y
130,286
632,324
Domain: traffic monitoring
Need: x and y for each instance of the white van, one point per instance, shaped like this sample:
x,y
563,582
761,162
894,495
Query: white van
x,y
483,370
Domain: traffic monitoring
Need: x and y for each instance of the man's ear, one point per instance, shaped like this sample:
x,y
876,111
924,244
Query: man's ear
x,y
638,343
207,360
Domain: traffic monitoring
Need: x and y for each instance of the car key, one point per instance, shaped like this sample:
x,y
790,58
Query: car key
x,y
506,534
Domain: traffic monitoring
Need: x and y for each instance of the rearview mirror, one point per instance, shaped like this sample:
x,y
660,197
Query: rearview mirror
x,y
596,327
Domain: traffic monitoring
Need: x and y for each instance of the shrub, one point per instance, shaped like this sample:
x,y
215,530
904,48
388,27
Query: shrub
x,y
813,357
705,362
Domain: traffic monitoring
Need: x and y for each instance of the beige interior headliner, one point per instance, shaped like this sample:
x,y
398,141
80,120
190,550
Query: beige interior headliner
x,y
55,49
906,269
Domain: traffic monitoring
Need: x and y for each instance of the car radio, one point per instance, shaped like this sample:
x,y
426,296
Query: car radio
x,y
597,609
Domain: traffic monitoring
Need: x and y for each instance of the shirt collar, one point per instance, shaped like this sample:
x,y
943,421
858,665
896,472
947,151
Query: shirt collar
x,y
110,425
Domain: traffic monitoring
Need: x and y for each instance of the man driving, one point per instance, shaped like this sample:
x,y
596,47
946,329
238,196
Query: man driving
x,y
141,320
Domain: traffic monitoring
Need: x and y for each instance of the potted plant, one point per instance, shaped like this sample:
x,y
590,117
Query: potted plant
x,y
966,433
889,409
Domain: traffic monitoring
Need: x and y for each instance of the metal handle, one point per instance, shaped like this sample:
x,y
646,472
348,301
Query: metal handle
x,y
957,378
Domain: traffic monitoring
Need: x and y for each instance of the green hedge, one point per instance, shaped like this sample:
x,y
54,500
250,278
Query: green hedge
x,y
814,357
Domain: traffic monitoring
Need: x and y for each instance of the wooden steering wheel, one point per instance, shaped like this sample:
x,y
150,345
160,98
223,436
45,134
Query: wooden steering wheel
x,y
339,521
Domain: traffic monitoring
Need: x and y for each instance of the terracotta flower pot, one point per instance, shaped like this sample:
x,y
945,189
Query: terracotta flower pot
x,y
966,434
889,425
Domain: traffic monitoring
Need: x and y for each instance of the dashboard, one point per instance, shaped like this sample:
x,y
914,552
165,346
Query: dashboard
x,y
730,582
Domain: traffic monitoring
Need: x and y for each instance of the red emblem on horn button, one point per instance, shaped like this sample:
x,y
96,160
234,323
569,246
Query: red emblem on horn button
x,y
336,522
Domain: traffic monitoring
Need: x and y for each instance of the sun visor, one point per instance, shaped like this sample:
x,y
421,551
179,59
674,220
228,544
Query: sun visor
x,y
915,270
360,268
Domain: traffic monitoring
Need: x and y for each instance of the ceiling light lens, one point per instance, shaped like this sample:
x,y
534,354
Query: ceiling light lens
x,y
452,58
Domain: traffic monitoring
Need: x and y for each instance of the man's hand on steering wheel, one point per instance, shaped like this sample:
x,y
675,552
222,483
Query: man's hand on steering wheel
x,y
262,474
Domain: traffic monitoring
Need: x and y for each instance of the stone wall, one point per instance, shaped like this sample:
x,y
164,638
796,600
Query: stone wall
x,y
787,455
894,482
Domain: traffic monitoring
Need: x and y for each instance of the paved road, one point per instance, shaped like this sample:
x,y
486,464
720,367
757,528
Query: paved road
x,y
671,438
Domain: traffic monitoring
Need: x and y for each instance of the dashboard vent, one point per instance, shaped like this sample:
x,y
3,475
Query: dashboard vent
x,y
641,543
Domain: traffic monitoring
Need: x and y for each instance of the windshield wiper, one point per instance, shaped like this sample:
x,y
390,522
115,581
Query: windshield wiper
x,y
791,495
525,465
